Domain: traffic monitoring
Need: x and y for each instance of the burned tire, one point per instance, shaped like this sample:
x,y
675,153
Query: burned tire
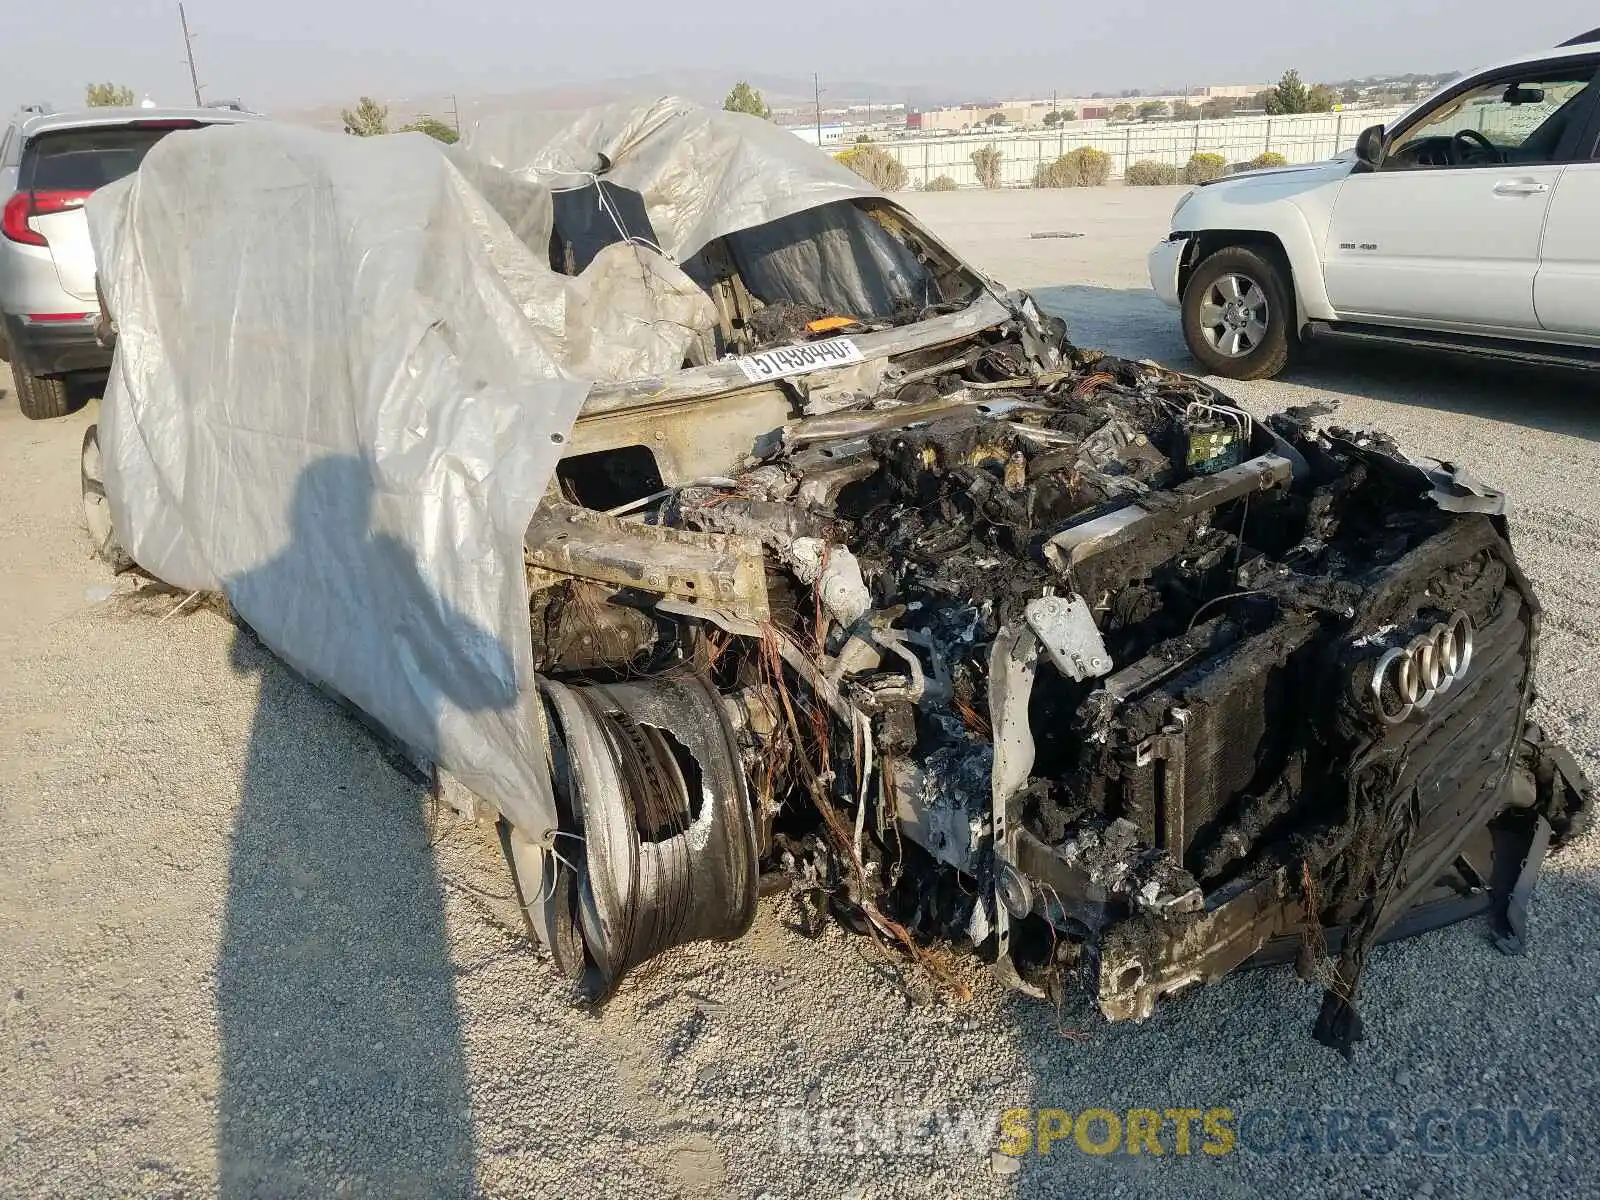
x,y
40,399
1238,314
96,506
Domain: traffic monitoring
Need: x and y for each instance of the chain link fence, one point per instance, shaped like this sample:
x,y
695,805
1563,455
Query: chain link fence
x,y
1302,138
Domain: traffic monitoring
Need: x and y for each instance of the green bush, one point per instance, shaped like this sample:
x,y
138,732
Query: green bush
x,y
876,165
108,95
1269,159
434,128
1083,167
1150,173
1203,168
941,183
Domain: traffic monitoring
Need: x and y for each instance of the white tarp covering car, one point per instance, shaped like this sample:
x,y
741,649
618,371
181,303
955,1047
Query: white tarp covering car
x,y
287,298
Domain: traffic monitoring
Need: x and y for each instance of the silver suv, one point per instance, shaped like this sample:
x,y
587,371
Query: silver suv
x,y
49,164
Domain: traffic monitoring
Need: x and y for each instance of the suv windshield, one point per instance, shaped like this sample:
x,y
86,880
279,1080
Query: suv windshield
x,y
81,160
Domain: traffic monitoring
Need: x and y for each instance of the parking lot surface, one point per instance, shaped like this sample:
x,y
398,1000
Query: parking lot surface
x,y
243,956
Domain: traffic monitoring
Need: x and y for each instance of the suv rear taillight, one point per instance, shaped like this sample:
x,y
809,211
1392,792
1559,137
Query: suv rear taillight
x,y
24,206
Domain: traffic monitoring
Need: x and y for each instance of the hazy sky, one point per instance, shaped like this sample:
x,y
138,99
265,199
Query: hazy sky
x,y
295,53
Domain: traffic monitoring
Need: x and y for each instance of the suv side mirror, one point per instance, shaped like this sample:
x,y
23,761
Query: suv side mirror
x,y
1369,147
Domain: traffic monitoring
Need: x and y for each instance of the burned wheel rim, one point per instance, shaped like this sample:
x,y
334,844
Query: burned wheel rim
x,y
1234,315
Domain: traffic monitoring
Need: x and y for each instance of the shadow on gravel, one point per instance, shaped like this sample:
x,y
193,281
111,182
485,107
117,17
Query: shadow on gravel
x,y
1544,398
343,1072
1134,324
1476,1071
1129,323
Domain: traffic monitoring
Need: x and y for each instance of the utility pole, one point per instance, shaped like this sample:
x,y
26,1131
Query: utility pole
x,y
455,114
816,88
188,50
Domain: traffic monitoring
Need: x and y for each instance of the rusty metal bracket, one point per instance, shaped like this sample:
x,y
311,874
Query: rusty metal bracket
x,y
723,571
1123,525
1141,963
1509,926
1013,662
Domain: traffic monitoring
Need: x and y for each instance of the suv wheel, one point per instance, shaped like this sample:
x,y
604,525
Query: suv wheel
x,y
1238,315
96,507
40,399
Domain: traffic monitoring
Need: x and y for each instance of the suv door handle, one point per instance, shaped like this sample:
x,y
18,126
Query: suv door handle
x,y
1520,187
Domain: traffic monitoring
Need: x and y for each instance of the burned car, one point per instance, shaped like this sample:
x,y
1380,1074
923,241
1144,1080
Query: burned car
x,y
794,549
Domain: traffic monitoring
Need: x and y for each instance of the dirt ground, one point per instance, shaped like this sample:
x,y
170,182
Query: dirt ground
x,y
242,956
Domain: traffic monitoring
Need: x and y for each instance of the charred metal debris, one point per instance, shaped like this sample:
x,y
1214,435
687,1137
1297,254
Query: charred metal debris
x,y
1052,655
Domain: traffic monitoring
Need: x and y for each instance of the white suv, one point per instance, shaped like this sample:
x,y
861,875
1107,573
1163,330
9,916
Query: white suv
x,y
1470,225
49,163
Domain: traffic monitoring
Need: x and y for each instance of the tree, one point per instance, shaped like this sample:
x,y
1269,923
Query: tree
x,y
1152,110
1057,115
1349,96
1122,112
1182,110
368,120
108,95
997,118
1289,96
1217,108
863,138
433,127
742,98
1321,98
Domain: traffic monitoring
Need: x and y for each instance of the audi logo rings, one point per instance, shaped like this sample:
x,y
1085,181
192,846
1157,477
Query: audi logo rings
x,y
1407,679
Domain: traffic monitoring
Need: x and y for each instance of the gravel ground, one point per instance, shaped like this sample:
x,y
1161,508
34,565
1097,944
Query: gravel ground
x,y
242,957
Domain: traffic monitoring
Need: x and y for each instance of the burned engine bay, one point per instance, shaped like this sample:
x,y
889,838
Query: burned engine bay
x,y
1076,665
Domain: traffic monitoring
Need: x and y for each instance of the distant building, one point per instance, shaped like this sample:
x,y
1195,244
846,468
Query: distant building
x,y
1016,113
1230,91
1031,114
831,135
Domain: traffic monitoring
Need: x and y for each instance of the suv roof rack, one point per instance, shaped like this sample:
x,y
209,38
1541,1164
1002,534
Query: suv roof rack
x,y
1583,39
42,110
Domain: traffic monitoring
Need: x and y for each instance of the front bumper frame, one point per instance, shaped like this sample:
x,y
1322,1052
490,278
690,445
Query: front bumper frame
x,y
1165,261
